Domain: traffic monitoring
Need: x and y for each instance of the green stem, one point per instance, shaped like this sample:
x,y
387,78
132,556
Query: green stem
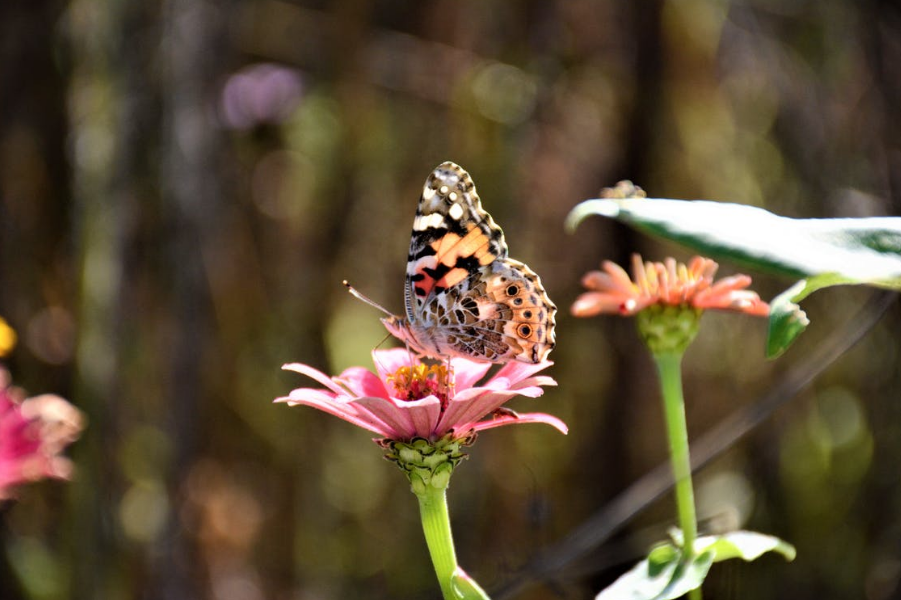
x,y
436,526
455,583
670,371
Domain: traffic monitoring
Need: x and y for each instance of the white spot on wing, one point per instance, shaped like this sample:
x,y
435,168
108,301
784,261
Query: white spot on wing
x,y
424,222
455,212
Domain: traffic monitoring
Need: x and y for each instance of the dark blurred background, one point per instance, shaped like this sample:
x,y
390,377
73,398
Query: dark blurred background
x,y
185,183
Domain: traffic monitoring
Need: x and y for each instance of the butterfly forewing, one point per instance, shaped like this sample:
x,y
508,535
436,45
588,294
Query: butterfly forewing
x,y
453,237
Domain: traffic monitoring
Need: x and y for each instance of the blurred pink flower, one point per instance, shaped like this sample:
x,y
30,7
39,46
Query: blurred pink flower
x,y
260,93
408,399
666,283
33,434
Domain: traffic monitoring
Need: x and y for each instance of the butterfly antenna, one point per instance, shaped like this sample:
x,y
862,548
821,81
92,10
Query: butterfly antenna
x,y
360,296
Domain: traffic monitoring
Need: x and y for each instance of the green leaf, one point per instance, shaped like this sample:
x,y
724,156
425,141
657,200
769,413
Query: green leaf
x,y
661,581
747,545
861,250
823,252
665,575
787,320
660,557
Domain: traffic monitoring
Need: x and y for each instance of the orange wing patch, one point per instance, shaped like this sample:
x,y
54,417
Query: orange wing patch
x,y
454,260
475,243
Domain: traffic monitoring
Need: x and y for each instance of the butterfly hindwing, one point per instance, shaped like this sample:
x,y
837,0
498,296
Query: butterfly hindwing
x,y
500,314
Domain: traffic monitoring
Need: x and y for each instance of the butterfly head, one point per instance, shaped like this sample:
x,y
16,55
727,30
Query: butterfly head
x,y
400,328
396,326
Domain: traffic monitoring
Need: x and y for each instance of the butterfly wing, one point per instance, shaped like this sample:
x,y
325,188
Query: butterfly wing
x,y
498,315
463,296
453,238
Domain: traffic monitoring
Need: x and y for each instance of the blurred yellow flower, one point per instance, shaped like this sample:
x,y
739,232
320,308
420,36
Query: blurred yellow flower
x,y
7,338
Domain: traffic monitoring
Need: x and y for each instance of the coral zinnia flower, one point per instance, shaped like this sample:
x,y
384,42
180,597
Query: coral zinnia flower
x,y
33,434
668,283
408,399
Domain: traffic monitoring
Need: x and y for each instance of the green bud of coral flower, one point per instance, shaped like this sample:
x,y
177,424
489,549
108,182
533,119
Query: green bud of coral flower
x,y
427,464
668,328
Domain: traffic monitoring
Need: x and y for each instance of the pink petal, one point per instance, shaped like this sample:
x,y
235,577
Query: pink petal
x,y
755,307
640,274
733,282
597,280
424,415
619,278
615,282
347,411
590,304
737,300
515,371
362,382
317,375
714,298
703,267
729,294
513,379
387,362
500,421
407,419
468,372
300,395
471,405
532,381
531,387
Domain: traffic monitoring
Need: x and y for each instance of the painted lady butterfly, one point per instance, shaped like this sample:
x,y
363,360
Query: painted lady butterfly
x,y
463,296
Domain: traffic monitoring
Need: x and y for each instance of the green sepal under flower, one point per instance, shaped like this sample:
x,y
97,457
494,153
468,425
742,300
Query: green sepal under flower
x,y
668,329
428,464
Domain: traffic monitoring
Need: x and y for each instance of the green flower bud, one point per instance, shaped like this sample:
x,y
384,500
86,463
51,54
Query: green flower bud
x,y
668,328
427,464
408,455
441,476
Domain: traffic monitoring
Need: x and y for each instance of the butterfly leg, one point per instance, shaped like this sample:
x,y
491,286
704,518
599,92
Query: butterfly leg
x,y
450,378
414,356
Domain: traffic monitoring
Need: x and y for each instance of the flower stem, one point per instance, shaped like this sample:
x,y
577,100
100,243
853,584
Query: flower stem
x,y
670,372
455,583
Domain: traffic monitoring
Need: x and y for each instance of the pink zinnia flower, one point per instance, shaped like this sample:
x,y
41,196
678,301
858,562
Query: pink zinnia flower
x,y
407,399
33,433
667,283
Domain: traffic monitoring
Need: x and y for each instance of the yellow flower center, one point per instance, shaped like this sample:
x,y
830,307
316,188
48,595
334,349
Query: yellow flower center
x,y
417,382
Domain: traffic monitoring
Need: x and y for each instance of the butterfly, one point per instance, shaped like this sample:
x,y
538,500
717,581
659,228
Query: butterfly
x,y
464,297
